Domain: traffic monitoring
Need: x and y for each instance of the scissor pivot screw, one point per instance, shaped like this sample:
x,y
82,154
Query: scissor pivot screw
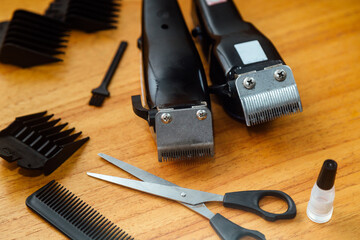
x,y
166,118
280,75
201,114
249,83
183,194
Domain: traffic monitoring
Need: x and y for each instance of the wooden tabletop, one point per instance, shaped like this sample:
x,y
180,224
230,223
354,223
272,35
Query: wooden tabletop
x,y
319,40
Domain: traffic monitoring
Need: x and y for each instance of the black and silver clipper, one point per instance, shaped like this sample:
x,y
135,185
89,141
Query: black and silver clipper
x,y
174,88
248,74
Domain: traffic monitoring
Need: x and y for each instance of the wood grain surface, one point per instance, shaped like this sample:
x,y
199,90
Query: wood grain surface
x,y
320,40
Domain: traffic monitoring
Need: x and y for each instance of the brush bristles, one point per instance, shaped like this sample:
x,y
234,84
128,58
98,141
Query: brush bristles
x,y
97,100
266,106
76,212
186,155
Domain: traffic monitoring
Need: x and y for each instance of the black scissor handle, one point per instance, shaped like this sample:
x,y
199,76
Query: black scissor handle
x,y
249,201
227,230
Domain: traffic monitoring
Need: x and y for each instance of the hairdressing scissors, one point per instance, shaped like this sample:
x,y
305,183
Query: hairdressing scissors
x,y
193,199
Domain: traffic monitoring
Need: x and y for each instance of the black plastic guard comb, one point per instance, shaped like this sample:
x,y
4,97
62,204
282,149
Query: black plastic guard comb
x,y
36,143
72,216
29,39
85,15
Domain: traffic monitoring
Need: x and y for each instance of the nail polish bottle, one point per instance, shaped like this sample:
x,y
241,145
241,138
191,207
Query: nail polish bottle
x,y
320,206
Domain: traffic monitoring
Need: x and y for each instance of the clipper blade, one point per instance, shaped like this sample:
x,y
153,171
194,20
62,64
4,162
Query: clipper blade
x,y
29,39
85,15
269,98
184,134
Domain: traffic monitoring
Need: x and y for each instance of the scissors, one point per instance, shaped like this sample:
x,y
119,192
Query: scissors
x,y
193,199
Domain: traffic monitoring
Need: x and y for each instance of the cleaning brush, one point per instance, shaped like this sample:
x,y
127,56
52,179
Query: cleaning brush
x,y
100,93
29,39
85,15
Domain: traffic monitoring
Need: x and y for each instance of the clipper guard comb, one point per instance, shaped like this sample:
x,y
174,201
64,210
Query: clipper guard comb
x,y
29,39
36,143
248,75
175,90
71,215
86,15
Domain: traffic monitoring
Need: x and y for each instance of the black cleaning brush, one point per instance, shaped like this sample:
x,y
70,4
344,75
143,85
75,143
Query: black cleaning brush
x,y
100,93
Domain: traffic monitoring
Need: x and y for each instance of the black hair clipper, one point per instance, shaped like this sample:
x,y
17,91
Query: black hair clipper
x,y
174,88
248,74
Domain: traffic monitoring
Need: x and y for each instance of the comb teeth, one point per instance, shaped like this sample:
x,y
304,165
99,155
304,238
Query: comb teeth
x,y
71,215
30,39
86,15
36,142
185,155
266,106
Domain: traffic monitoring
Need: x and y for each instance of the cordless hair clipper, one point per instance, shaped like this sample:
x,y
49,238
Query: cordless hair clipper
x,y
248,75
174,88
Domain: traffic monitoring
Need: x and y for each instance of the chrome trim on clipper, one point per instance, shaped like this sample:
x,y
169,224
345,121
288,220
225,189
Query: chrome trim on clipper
x,y
270,98
186,136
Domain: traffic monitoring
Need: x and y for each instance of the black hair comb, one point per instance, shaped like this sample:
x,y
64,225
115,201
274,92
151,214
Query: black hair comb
x,y
85,15
72,216
36,143
29,39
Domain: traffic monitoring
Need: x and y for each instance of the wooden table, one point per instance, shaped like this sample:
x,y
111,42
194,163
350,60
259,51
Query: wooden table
x,y
320,40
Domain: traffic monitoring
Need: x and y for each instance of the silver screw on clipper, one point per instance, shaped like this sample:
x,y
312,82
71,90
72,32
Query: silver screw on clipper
x,y
249,82
280,75
166,118
201,114
183,194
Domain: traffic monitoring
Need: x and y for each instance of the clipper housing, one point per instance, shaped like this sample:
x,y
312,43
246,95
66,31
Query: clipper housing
x,y
248,75
29,39
85,15
36,143
175,91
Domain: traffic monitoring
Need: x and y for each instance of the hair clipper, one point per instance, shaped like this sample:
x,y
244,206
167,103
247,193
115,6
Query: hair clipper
x,y
248,74
174,88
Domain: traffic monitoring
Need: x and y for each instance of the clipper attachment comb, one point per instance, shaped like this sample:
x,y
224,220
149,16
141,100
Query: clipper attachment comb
x,y
29,39
85,15
36,143
72,216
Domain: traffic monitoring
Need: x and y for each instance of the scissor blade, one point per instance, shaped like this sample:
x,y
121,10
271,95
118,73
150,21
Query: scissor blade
x,y
136,172
180,194
148,177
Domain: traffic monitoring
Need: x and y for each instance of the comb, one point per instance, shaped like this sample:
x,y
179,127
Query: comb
x,y
72,216
85,15
29,39
247,73
35,142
